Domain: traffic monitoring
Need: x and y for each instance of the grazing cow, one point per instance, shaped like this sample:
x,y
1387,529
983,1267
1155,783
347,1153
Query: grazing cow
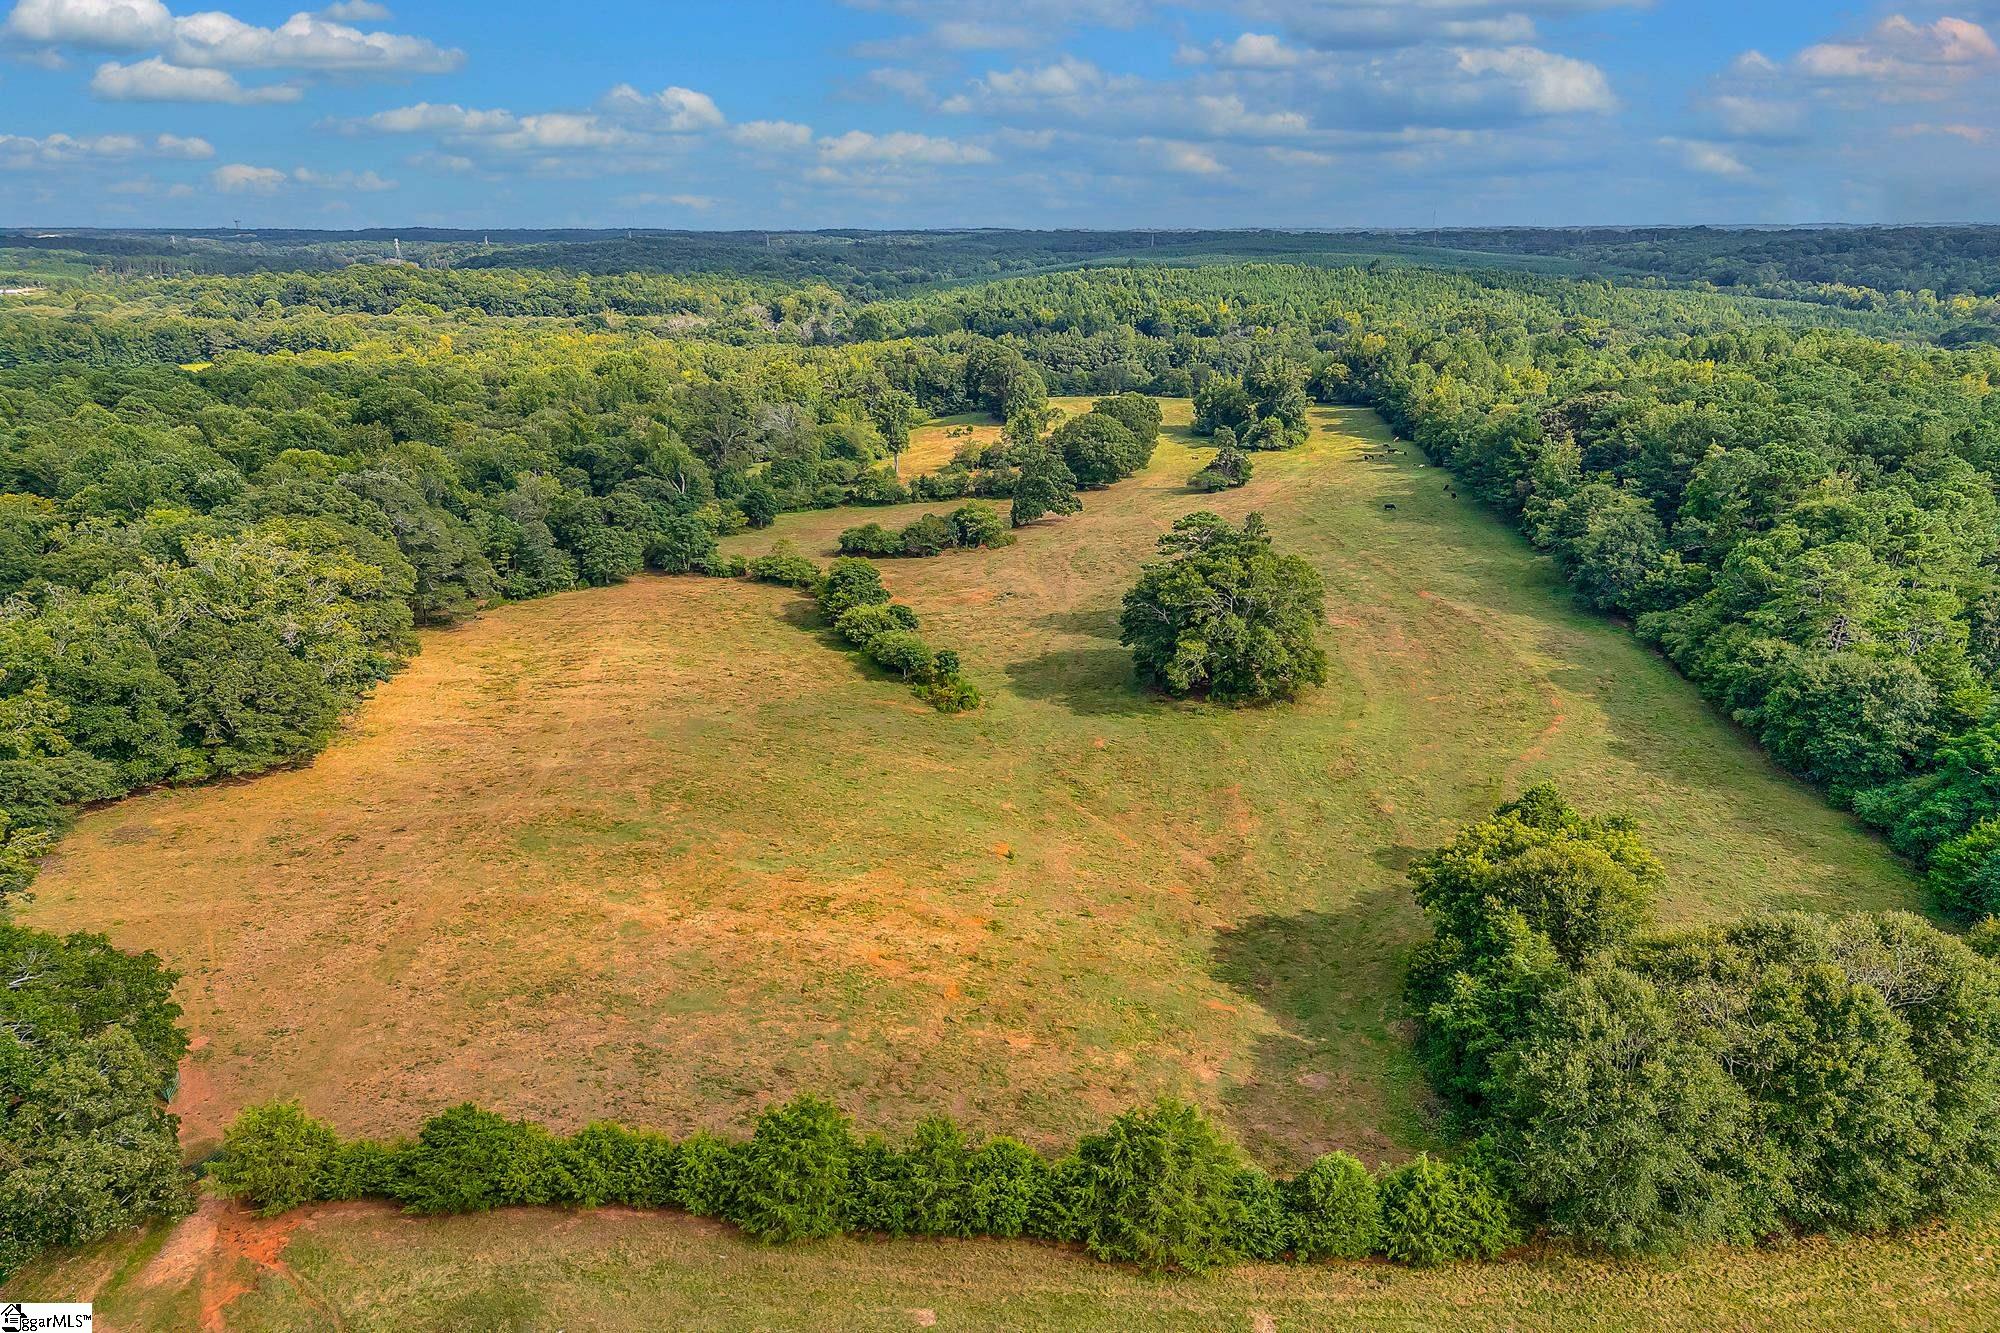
x,y
1388,506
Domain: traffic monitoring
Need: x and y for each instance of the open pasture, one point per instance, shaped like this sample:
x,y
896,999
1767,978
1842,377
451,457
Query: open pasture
x,y
661,853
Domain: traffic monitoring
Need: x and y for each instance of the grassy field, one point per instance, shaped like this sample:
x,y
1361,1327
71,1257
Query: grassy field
x,y
662,853
365,1267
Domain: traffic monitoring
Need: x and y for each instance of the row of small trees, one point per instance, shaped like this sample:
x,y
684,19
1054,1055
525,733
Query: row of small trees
x,y
971,526
1161,1187
853,600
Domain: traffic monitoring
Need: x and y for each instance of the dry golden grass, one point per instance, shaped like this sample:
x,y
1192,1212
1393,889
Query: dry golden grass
x,y
661,853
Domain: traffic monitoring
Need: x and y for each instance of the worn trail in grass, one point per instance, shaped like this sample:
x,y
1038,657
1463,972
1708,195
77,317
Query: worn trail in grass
x,y
661,853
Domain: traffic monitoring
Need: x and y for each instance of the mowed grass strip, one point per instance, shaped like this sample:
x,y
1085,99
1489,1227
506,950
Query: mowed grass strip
x,y
662,853
365,1267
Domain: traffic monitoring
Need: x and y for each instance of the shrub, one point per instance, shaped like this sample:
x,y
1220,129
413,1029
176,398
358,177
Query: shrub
x,y
928,536
976,524
903,652
1162,1190
1965,873
937,1167
870,539
469,1161
612,1164
1266,1229
363,1169
792,1176
785,566
878,1197
862,624
1003,1181
274,1157
951,693
848,582
706,1175
1436,1212
1984,938
1229,468
1061,1209
1336,1209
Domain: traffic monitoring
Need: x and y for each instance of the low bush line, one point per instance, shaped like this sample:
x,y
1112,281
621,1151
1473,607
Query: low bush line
x,y
1160,1187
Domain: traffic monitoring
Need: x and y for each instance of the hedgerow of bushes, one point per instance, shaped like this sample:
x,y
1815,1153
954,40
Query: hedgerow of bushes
x,y
1160,1187
969,527
852,599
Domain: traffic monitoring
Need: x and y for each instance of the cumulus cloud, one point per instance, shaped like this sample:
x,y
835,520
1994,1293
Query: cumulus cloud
x,y
677,110
357,11
1549,83
157,80
57,149
100,25
242,178
1254,50
1712,159
773,136
304,41
1897,50
901,146
216,40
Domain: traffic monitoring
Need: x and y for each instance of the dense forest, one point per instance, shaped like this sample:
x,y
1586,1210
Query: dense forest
x,y
231,490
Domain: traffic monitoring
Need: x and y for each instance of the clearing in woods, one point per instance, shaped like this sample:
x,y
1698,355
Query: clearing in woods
x,y
661,853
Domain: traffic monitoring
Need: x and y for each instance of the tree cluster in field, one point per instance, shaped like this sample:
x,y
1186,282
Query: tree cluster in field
x,y
1042,469
89,1045
1225,615
1264,408
853,601
971,527
1160,1187
1640,1090
1229,468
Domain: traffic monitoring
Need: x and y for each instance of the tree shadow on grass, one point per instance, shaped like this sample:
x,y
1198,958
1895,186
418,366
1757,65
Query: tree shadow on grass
x,y
1090,682
1341,1073
1101,624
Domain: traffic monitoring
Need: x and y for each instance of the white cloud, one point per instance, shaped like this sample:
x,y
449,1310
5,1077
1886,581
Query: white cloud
x,y
1255,50
304,41
213,39
1712,159
901,146
357,11
773,136
1190,159
435,118
560,131
100,25
1897,50
1550,84
157,80
1747,117
241,178
55,149
1226,117
677,110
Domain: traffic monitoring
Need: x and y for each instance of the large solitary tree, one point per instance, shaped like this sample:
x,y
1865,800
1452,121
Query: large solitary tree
x,y
1226,615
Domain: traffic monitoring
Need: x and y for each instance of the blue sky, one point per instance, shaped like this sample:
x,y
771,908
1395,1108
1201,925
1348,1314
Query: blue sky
x,y
1040,113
